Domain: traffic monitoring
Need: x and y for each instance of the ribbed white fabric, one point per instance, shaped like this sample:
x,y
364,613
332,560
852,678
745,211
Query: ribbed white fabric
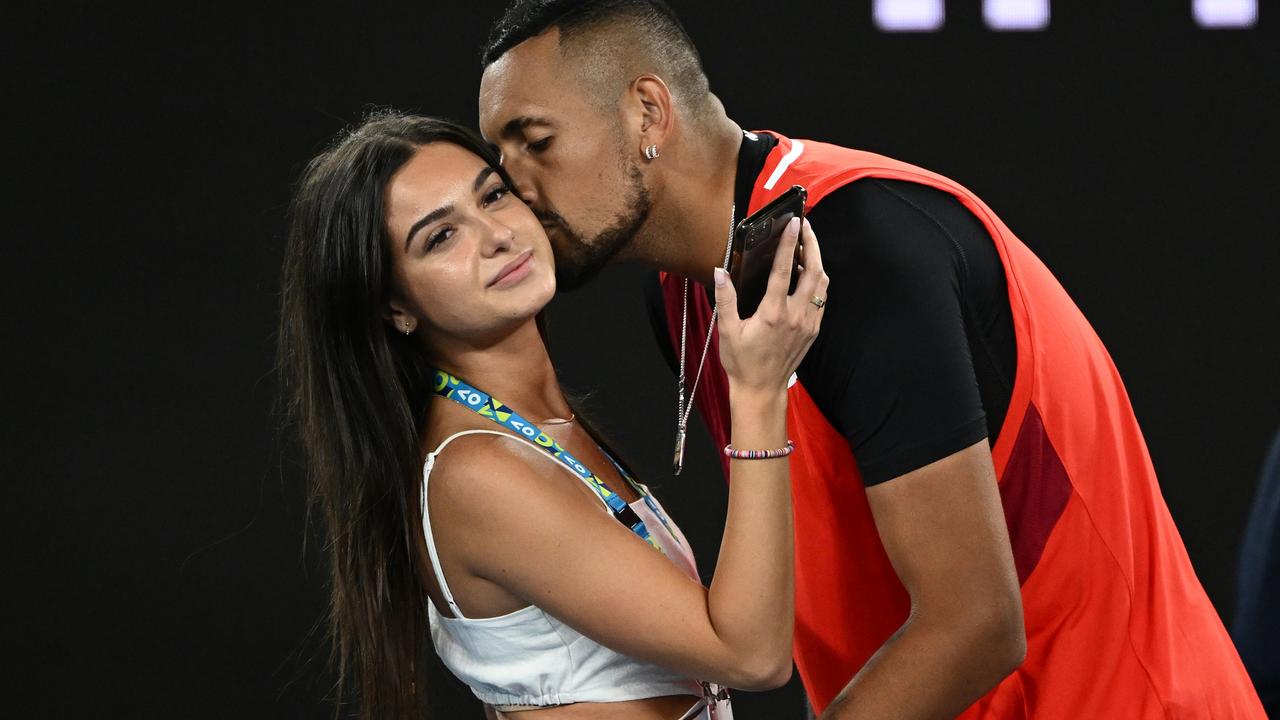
x,y
529,658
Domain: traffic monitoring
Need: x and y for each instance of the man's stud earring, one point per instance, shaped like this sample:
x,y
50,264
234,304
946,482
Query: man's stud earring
x,y
651,152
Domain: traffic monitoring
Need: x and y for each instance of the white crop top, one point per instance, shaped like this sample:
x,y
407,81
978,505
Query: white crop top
x,y
529,658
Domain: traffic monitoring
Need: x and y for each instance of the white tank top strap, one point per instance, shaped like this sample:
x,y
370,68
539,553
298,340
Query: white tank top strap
x,y
426,516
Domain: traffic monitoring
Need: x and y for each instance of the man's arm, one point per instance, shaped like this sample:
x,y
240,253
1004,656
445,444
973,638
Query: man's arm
x,y
944,530
914,367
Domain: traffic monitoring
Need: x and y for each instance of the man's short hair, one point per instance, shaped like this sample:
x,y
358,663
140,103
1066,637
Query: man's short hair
x,y
609,35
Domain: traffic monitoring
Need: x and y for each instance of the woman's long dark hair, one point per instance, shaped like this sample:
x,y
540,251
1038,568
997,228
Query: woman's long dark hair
x,y
357,391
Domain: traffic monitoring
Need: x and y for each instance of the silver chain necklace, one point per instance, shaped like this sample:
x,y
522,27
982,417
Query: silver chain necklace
x,y
685,406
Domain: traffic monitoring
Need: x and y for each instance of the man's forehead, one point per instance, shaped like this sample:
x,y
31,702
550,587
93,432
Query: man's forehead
x,y
520,83
503,117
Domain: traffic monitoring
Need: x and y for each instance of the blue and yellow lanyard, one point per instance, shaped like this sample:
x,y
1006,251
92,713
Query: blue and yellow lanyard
x,y
480,402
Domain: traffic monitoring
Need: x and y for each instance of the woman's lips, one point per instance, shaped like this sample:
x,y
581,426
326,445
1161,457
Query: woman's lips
x,y
514,271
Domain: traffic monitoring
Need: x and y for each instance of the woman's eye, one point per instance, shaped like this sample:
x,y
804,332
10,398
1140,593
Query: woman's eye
x,y
496,194
539,145
438,237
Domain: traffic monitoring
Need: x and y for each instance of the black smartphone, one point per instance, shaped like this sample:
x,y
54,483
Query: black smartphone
x,y
755,242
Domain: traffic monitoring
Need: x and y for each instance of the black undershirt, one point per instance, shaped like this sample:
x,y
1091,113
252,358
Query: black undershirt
x,y
916,357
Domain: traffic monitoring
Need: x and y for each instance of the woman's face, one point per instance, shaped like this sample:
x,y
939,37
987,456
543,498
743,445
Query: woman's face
x,y
470,259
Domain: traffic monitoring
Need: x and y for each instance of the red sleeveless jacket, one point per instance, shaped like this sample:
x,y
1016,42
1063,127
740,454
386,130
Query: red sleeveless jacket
x,y
1117,623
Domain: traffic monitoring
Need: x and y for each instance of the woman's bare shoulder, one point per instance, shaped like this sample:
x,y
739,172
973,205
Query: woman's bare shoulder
x,y
478,472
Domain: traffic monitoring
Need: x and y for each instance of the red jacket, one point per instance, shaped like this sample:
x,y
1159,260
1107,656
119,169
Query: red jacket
x,y
1117,624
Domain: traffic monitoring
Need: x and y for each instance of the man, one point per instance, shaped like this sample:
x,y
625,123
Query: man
x,y
1000,543
1257,624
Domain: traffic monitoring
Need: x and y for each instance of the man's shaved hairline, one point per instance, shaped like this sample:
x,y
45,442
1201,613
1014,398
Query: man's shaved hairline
x,y
620,56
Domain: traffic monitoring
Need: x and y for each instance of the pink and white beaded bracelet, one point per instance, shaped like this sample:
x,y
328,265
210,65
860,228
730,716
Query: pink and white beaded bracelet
x,y
784,451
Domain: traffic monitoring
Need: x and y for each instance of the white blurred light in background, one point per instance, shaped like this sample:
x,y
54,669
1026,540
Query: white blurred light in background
x,y
1225,13
1016,14
1004,15
908,15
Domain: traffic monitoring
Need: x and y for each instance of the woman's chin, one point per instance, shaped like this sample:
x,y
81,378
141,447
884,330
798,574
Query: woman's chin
x,y
505,311
541,289
526,305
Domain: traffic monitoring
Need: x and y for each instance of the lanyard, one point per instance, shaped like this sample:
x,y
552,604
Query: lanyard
x,y
480,402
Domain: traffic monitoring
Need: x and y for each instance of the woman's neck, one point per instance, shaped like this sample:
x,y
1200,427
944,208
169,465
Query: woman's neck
x,y
516,370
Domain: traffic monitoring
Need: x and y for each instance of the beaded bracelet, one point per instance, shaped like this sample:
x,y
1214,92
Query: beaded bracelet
x,y
784,451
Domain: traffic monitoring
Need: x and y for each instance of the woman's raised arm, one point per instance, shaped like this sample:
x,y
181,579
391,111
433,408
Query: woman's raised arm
x,y
556,549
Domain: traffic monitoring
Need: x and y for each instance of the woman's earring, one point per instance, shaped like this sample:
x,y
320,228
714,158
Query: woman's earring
x,y
651,152
407,329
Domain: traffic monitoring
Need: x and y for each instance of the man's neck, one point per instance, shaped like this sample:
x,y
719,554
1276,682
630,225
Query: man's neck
x,y
688,229
515,369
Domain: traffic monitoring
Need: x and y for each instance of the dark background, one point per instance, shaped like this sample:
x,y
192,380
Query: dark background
x,y
154,520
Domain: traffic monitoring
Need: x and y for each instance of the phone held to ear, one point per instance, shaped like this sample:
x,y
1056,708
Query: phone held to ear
x,y
755,243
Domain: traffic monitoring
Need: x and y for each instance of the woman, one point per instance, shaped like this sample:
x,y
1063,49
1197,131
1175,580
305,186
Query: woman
x,y
413,285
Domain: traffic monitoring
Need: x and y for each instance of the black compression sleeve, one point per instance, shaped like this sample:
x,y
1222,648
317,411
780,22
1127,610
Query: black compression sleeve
x,y
892,368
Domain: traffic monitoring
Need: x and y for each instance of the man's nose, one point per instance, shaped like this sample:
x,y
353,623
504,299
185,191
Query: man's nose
x,y
523,180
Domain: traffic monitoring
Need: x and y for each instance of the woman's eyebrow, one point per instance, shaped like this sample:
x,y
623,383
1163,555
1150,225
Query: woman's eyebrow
x,y
425,220
440,212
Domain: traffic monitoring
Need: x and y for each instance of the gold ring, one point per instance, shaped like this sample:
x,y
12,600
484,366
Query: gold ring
x,y
818,302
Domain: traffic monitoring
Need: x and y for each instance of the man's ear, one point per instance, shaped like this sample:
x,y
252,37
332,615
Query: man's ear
x,y
656,109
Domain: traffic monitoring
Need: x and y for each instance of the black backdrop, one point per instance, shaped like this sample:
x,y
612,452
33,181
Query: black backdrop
x,y
155,557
